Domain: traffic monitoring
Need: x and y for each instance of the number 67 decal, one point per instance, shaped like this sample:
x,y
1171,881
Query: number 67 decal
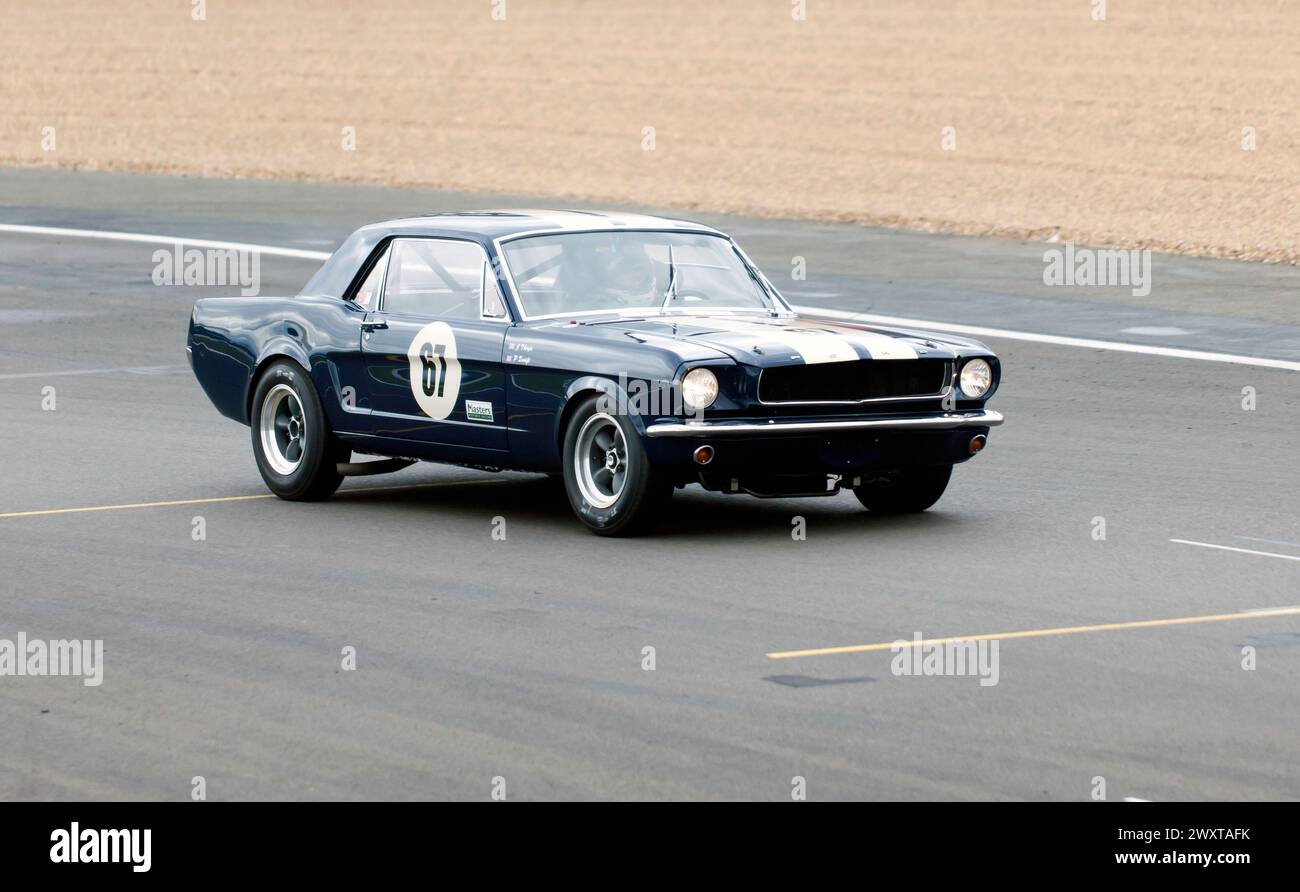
x,y
435,369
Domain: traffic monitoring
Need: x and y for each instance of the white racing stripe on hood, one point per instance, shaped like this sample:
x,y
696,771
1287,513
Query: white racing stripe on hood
x,y
881,346
812,345
816,345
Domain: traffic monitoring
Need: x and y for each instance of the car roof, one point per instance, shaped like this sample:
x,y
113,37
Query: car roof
x,y
494,224
483,227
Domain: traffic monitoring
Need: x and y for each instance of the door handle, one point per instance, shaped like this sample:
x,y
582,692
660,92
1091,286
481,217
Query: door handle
x,y
373,324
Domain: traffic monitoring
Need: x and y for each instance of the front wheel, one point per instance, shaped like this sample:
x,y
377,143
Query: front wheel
x,y
292,443
904,491
610,482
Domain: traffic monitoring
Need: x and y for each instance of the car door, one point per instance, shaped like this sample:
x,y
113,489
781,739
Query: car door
x,y
432,349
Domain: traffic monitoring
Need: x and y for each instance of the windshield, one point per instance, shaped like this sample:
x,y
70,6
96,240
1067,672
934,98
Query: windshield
x,y
587,272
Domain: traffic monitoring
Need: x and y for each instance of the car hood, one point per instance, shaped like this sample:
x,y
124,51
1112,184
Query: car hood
x,y
786,340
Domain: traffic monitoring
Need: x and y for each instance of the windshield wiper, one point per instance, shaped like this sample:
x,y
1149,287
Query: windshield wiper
x,y
671,291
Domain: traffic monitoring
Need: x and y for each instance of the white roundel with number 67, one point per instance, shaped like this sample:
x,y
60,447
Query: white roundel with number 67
x,y
435,370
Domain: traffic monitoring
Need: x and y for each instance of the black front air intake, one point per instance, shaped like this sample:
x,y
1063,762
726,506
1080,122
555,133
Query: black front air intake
x,y
846,382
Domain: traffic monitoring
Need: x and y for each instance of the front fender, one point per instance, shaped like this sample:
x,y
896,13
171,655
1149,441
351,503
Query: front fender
x,y
599,384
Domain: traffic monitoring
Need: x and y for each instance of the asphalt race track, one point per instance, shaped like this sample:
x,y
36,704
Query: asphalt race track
x,y
523,659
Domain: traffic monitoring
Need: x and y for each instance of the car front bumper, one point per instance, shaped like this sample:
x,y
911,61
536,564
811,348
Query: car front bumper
x,y
816,447
984,418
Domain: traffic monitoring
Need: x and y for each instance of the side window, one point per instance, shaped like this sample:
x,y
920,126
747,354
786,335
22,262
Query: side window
x,y
367,296
442,279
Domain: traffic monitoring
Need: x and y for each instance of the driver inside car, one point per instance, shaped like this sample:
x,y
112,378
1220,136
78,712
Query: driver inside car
x,y
621,274
631,279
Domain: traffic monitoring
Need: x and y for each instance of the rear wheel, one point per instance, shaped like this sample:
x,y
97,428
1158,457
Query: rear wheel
x,y
904,491
295,450
610,482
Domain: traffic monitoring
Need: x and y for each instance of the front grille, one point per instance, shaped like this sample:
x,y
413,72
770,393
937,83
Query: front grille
x,y
847,382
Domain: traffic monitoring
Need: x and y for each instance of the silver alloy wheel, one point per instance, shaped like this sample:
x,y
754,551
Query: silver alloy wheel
x,y
600,460
283,429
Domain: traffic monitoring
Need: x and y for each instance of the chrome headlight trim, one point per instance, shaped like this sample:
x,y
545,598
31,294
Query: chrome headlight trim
x,y
699,389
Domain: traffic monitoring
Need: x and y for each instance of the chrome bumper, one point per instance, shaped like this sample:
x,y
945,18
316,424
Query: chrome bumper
x,y
776,428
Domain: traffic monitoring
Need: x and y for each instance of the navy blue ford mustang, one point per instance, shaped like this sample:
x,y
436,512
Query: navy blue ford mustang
x,y
626,355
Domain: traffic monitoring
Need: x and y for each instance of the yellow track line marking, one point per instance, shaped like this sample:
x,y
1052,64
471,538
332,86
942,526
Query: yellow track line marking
x,y
1038,633
136,505
218,499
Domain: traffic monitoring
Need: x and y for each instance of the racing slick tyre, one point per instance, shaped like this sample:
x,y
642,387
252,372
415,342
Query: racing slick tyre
x,y
610,482
292,443
905,491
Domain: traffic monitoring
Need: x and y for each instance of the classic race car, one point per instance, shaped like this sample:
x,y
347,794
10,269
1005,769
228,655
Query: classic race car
x,y
629,355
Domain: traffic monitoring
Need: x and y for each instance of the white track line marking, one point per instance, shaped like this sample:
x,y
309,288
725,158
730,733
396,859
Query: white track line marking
x,y
134,370
975,330
1268,541
1285,557
162,240
1058,340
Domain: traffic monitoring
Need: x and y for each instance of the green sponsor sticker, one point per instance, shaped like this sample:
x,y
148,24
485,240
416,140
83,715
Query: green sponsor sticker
x,y
478,411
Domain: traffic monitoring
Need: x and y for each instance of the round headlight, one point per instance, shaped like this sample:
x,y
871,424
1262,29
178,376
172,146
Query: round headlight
x,y
976,378
699,388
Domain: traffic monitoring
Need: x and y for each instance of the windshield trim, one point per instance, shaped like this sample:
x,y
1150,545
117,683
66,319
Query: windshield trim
x,y
524,316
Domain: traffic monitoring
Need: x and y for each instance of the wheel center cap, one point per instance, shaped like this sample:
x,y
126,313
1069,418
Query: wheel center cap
x,y
611,460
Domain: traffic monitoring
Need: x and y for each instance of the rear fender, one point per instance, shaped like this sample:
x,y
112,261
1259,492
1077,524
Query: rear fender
x,y
279,347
